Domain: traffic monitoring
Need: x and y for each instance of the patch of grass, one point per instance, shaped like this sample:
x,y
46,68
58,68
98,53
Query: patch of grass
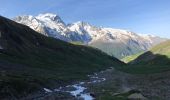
x,y
107,96
144,69
131,58
156,60
121,96
77,43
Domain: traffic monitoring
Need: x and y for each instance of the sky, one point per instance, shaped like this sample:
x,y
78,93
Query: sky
x,y
140,16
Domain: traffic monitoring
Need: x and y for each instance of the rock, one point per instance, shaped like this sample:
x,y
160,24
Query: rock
x,y
78,95
136,96
92,94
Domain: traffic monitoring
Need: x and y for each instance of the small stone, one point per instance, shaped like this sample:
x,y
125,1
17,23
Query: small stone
x,y
92,94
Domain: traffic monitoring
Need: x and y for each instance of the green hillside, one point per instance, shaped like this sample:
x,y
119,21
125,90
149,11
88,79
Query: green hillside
x,y
30,61
162,49
118,50
155,60
131,57
158,55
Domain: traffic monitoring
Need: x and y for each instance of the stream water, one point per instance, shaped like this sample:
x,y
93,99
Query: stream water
x,y
79,90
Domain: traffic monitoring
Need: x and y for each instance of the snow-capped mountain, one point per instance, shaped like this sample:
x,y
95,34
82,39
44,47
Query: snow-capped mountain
x,y
124,42
47,24
116,42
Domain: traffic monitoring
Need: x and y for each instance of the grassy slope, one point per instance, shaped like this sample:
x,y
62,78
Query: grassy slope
x,y
153,61
116,49
162,49
30,60
158,55
131,58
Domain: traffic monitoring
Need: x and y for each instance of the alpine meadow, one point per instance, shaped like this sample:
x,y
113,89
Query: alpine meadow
x,y
84,50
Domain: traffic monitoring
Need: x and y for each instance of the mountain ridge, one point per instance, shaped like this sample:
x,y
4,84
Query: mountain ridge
x,y
90,35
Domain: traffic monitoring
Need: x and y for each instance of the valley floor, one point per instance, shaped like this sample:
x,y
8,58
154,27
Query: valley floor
x,y
116,85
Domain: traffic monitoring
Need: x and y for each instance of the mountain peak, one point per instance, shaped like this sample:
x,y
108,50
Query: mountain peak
x,y
24,17
148,35
50,16
106,39
47,15
81,23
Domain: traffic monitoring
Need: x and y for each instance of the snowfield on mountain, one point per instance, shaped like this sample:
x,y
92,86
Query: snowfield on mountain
x,y
115,42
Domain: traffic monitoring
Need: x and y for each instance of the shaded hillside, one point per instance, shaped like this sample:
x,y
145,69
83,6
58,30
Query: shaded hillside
x,y
153,61
158,55
30,61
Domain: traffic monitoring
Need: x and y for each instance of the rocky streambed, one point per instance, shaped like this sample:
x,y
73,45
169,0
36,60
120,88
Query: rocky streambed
x,y
113,84
80,90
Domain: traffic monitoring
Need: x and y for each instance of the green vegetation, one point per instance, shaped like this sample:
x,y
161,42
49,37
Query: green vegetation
x,y
144,69
30,61
77,43
131,58
117,49
154,61
119,96
162,49
158,55
116,97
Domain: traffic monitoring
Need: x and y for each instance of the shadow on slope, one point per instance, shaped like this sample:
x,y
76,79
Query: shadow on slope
x,y
149,58
29,60
148,63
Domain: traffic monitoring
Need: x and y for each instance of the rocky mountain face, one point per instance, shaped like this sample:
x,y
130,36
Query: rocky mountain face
x,y
115,42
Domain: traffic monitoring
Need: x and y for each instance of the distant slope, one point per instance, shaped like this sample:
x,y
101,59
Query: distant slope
x,y
131,58
30,61
122,43
115,42
155,60
158,55
118,50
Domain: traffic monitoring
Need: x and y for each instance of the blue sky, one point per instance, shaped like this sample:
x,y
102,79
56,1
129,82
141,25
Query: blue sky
x,y
142,16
